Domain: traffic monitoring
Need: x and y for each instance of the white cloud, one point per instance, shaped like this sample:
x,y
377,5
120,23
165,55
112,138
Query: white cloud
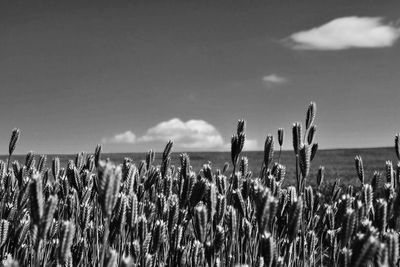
x,y
345,33
127,137
192,134
274,79
189,135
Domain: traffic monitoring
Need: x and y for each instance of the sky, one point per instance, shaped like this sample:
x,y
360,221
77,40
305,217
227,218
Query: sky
x,y
133,74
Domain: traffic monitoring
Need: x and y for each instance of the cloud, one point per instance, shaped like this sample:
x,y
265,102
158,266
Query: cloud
x,y
345,33
127,137
189,135
274,79
192,134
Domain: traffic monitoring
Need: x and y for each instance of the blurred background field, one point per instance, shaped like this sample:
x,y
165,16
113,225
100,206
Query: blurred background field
x,y
339,163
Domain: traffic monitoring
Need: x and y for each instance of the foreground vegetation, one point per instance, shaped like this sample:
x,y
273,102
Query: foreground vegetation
x,y
93,212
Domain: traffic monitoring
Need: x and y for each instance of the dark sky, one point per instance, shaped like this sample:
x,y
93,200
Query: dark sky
x,y
132,74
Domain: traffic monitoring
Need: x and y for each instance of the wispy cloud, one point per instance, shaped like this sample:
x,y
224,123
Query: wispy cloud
x,y
272,79
345,33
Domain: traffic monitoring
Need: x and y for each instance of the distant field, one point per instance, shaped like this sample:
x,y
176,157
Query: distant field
x,y
339,163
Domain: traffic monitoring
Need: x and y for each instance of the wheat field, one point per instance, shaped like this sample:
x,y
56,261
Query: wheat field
x,y
283,209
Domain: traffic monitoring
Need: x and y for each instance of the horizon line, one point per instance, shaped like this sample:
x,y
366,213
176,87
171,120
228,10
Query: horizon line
x,y
210,151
